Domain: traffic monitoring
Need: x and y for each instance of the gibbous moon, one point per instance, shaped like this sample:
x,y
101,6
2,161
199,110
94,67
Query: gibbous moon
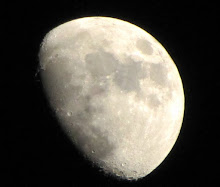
x,y
116,93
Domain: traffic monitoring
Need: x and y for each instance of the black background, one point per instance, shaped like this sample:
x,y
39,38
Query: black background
x,y
37,151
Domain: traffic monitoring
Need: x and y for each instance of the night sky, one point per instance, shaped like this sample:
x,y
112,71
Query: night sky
x,y
35,149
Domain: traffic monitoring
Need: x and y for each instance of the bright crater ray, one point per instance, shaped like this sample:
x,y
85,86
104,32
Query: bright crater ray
x,y
115,91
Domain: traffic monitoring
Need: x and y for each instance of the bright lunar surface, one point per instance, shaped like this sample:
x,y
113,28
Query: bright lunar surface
x,y
116,93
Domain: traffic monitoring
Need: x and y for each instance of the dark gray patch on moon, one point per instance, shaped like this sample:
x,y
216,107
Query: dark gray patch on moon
x,y
98,89
82,36
153,101
101,63
144,46
128,75
158,74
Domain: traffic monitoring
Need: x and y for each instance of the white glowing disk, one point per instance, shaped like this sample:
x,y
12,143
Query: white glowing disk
x,y
116,92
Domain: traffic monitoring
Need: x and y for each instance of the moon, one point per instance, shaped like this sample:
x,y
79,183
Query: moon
x,y
115,91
